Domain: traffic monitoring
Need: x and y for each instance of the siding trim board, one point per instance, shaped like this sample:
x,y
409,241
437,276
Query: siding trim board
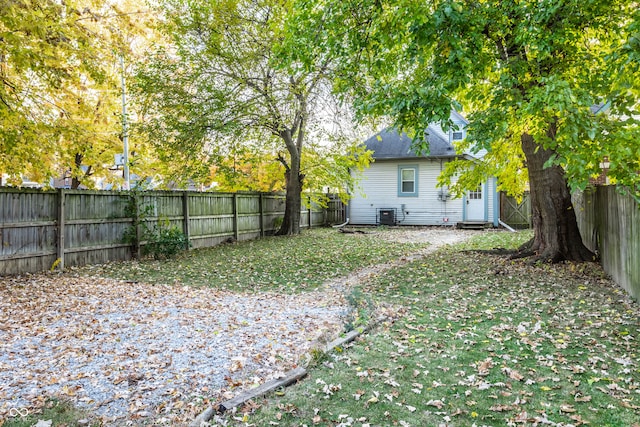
x,y
486,201
464,207
496,203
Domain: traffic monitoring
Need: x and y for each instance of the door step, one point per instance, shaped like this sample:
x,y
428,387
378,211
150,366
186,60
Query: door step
x,y
474,225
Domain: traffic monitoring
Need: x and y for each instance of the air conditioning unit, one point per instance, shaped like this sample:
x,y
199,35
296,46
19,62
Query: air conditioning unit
x,y
387,217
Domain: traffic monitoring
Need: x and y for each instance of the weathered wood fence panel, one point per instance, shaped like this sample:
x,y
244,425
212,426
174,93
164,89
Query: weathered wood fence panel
x,y
210,218
273,208
610,225
94,225
28,237
248,214
335,212
516,214
40,230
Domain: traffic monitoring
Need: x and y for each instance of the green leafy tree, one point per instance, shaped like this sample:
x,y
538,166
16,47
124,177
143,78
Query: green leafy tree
x,y
330,155
247,166
88,135
222,80
60,87
37,60
527,74
329,167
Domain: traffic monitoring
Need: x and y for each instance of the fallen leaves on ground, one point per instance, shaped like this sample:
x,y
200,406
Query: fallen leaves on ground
x,y
132,351
282,263
494,342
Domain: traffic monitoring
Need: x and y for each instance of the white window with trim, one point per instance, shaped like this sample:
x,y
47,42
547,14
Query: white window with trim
x,y
408,181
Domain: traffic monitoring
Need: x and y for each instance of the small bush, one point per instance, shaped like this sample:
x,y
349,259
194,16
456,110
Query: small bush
x,y
163,242
277,222
160,240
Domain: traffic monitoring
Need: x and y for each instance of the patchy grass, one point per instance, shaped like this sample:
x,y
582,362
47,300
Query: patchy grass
x,y
59,412
283,264
480,341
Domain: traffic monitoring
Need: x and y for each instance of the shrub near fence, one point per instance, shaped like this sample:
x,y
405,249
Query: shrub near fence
x,y
43,229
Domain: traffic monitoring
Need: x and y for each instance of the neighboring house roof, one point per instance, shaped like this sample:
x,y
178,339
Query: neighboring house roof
x,y
389,144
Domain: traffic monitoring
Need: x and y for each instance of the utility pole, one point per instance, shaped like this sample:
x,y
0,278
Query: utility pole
x,y
125,127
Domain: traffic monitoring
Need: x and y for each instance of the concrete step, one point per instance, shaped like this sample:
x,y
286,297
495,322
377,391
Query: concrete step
x,y
474,225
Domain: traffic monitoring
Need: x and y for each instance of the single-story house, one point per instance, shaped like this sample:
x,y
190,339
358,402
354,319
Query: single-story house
x,y
400,186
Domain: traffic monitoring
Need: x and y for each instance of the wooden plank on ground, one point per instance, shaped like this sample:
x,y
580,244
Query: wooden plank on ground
x,y
289,378
203,417
348,337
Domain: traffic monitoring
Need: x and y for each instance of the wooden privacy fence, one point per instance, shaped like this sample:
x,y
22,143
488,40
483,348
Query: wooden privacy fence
x,y
610,225
44,229
516,214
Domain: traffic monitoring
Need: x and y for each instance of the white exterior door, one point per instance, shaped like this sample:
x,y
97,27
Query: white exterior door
x,y
475,204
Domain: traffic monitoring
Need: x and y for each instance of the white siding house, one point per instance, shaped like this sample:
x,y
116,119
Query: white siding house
x,y
400,186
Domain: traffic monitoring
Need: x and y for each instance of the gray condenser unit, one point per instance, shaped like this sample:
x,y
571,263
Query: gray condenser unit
x,y
387,217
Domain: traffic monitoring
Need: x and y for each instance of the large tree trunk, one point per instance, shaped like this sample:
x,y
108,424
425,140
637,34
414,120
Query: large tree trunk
x,y
293,203
556,235
294,180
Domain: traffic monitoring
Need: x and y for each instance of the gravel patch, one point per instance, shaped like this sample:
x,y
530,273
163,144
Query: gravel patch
x,y
131,352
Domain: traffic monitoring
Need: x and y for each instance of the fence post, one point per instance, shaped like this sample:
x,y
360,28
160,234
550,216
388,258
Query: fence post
x,y
136,224
261,210
236,234
61,215
310,212
344,210
185,218
325,211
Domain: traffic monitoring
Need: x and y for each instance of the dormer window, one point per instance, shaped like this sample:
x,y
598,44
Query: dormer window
x,y
457,136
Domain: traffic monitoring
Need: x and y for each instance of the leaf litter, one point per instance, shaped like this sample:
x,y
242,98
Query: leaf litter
x,y
483,341
132,351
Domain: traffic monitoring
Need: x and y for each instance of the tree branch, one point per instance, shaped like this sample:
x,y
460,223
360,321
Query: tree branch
x,y
282,160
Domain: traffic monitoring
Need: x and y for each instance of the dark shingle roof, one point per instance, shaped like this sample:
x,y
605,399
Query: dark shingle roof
x,y
389,144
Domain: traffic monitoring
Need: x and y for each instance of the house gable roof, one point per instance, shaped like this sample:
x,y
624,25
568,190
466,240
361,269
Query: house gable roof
x,y
389,144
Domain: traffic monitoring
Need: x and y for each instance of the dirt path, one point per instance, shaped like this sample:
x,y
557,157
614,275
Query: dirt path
x,y
437,237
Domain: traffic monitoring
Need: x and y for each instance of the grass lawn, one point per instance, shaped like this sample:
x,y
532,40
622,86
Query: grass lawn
x,y
478,341
283,264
